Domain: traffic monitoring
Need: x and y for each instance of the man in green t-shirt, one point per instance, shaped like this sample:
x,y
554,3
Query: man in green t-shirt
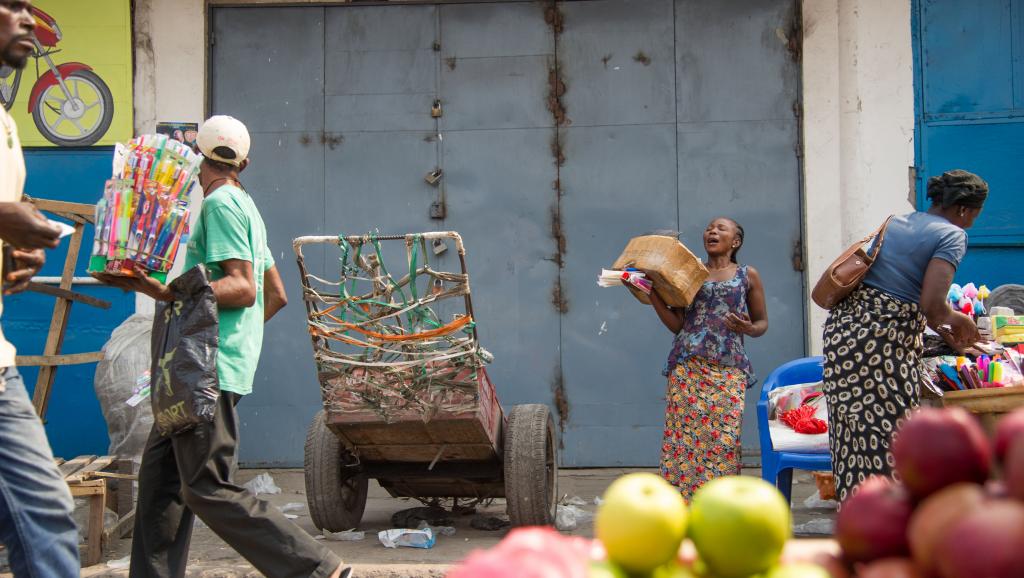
x,y
190,474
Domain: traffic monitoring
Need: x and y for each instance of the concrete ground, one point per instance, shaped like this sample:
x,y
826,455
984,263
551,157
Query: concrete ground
x,y
212,558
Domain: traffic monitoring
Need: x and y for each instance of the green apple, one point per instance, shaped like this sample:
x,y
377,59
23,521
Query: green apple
x,y
606,570
641,522
800,570
739,525
674,569
700,568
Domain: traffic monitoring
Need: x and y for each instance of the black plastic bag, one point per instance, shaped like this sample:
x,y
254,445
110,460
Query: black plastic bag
x,y
184,382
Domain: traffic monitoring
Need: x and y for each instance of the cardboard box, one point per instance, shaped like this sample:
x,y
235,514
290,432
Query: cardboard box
x,y
676,272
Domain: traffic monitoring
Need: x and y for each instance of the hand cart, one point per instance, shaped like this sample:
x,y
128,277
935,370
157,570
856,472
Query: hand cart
x,y
407,400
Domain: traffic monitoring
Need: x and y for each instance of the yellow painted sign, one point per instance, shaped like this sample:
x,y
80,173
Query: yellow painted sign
x,y
76,89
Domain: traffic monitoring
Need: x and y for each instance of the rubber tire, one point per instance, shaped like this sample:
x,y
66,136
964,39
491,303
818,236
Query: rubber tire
x,y
531,466
336,497
14,89
101,128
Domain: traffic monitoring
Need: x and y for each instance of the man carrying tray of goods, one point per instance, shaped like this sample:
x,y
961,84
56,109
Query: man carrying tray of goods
x,y
36,524
191,473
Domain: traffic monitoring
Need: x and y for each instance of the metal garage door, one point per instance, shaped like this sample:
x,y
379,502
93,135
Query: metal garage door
x,y
566,128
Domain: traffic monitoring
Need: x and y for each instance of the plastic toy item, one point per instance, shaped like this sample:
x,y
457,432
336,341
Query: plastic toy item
x,y
983,292
966,306
956,293
995,373
970,291
982,365
979,306
639,280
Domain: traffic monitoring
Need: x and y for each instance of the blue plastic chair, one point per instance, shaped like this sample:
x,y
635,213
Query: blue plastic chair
x,y
777,467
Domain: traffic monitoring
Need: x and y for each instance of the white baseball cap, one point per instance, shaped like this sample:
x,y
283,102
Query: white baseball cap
x,y
224,131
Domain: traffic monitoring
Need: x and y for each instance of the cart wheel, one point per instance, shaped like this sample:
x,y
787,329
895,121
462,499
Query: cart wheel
x,y
531,466
335,489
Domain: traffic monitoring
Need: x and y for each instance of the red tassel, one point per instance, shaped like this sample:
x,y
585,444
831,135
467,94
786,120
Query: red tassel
x,y
802,420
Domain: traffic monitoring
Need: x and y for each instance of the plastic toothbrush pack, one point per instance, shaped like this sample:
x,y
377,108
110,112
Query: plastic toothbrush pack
x,y
143,216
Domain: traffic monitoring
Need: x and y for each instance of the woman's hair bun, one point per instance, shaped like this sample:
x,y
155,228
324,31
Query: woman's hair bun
x,y
957,188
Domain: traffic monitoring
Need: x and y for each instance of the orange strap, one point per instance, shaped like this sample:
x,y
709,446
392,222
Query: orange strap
x,y
443,330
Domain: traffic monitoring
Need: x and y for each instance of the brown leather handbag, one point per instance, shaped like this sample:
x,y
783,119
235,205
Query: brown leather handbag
x,y
846,272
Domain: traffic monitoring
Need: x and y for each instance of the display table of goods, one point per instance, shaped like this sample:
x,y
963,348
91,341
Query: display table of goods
x,y
988,379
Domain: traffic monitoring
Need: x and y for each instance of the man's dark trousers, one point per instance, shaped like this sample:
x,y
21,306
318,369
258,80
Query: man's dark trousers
x,y
191,474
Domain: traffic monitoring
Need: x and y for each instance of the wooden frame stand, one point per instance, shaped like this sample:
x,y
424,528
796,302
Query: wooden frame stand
x,y
87,477
80,214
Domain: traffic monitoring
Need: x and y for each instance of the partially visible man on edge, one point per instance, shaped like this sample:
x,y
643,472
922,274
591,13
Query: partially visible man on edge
x,y
36,523
230,239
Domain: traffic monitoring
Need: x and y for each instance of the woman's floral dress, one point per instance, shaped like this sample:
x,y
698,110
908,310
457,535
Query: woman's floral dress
x,y
708,373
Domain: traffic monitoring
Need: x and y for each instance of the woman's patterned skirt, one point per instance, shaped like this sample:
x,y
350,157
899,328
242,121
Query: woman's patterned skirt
x,y
872,375
702,424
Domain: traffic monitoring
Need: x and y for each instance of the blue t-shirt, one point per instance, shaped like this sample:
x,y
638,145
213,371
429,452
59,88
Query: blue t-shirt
x,y
911,242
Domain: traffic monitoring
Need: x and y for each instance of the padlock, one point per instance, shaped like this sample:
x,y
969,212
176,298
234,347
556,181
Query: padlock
x,y
433,177
437,288
439,247
436,111
437,210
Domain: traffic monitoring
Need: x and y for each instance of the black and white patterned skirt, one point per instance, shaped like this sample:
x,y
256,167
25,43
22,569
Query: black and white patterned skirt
x,y
873,344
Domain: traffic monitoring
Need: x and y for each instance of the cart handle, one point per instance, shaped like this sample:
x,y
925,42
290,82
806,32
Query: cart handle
x,y
299,242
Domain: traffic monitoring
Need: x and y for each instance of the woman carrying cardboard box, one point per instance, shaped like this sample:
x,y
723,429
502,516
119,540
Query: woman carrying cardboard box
x,y
708,370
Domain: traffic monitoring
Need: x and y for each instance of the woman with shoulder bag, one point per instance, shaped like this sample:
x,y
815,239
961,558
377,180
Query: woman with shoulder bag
x,y
873,338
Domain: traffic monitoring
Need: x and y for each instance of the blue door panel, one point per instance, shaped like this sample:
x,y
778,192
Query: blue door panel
x,y
1017,29
967,56
996,152
993,266
969,87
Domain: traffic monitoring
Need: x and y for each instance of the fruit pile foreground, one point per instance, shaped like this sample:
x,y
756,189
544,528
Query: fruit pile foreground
x,y
950,516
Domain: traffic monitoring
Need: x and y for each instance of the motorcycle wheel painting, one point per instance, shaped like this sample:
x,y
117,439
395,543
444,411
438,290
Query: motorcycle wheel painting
x,y
77,113
70,104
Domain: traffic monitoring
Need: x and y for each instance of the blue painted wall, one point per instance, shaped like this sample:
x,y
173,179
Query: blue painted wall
x,y
74,422
969,89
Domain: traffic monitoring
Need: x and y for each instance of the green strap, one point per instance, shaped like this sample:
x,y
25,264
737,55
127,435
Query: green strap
x,y
387,275
355,260
417,315
423,314
413,265
345,247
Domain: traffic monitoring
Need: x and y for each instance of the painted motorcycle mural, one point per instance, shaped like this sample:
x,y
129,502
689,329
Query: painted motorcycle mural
x,y
70,104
